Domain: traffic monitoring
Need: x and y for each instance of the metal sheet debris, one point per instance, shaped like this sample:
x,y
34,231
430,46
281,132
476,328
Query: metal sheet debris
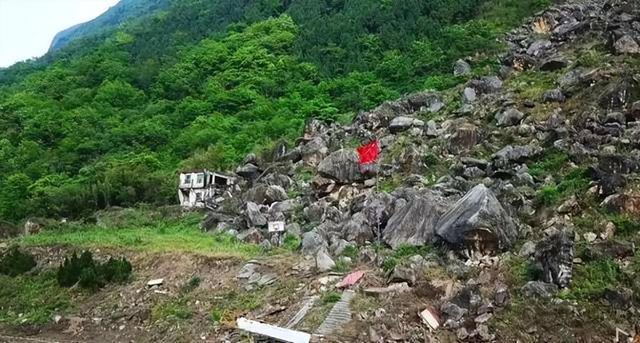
x,y
350,279
272,331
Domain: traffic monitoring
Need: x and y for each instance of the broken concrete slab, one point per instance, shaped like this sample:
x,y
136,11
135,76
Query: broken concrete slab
x,y
391,289
155,282
272,331
430,317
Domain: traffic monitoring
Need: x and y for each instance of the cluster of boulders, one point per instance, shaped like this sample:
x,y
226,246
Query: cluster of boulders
x,y
460,178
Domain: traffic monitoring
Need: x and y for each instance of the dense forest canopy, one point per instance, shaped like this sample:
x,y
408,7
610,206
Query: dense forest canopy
x,y
110,118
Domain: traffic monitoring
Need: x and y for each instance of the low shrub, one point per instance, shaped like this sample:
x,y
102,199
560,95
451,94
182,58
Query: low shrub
x,y
15,262
87,273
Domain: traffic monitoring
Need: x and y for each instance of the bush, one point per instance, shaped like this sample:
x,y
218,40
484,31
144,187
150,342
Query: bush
x,y
89,274
16,262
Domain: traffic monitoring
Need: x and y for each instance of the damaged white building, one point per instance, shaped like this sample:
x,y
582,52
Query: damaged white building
x,y
198,187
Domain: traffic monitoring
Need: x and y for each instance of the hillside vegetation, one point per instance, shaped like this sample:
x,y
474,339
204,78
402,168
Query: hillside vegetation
x,y
110,118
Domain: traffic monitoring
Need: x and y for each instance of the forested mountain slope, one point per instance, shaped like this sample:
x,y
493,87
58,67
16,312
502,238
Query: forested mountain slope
x,y
110,118
122,11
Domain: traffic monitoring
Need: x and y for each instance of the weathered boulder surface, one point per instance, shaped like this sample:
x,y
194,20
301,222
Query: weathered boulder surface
x,y
414,223
478,221
341,166
555,254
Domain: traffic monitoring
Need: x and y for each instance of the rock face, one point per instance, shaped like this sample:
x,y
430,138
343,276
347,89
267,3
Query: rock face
x,y
626,45
402,123
414,223
478,221
555,254
461,68
509,117
341,166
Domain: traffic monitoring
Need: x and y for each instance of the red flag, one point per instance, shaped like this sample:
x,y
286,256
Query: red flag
x,y
368,153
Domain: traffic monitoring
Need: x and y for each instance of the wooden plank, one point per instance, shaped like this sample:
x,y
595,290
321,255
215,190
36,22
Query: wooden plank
x,y
285,335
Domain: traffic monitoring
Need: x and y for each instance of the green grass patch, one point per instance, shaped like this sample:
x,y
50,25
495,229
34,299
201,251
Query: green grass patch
x,y
161,237
173,311
32,300
331,297
592,278
532,84
574,182
520,271
228,306
342,266
350,251
291,241
549,164
626,225
402,253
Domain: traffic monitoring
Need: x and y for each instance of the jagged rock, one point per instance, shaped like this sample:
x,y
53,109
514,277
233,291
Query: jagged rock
x,y
528,249
618,298
314,151
414,223
626,45
619,93
510,154
432,129
324,262
212,220
478,221
613,248
409,270
634,112
555,255
465,137
274,194
538,48
615,117
554,63
255,217
253,236
358,230
509,117
249,171
486,85
312,241
341,166
402,123
553,95
323,185
469,95
461,68
538,289
429,101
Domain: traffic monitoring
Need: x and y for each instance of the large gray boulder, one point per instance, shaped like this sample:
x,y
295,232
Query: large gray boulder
x,y
414,223
255,217
314,151
626,45
461,68
402,123
479,222
555,254
509,117
341,166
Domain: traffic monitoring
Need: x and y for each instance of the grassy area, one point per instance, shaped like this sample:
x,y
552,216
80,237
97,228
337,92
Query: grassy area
x,y
159,237
32,300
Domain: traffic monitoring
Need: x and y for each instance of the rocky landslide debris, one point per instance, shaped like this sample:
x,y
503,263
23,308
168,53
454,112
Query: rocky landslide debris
x,y
467,181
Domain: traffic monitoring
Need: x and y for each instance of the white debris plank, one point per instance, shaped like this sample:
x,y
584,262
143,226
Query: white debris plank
x,y
273,331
